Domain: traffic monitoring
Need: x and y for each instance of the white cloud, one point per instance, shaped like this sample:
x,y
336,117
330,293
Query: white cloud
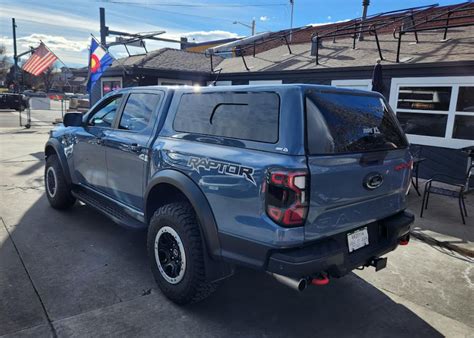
x,y
200,36
56,43
264,18
72,52
67,20
51,18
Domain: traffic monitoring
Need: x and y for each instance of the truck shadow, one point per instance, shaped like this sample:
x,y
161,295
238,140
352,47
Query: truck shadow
x,y
80,261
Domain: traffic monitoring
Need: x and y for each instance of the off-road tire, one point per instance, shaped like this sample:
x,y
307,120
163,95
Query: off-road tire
x,y
62,197
181,218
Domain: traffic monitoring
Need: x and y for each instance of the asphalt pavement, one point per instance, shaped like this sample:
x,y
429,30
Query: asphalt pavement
x,y
76,273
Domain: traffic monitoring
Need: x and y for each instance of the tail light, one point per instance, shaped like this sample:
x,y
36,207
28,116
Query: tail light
x,y
286,197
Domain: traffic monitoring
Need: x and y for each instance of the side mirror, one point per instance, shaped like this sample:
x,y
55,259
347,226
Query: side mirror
x,y
72,120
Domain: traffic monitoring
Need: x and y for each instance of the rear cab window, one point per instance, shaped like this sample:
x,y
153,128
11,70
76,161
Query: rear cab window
x,y
252,116
346,122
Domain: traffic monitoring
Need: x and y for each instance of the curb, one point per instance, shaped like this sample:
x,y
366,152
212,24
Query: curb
x,y
444,244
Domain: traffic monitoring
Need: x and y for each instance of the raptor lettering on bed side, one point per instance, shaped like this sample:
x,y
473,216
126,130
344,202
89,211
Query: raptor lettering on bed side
x,y
225,168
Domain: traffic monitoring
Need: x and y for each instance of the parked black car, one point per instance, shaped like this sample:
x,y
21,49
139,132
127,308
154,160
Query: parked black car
x,y
13,101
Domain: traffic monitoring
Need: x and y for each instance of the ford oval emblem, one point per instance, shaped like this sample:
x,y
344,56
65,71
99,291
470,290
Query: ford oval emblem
x,y
373,181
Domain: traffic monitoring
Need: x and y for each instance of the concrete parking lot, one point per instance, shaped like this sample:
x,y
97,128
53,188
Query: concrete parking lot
x,y
76,273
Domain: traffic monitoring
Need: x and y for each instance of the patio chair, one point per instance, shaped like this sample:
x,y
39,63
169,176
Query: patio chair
x,y
454,187
415,151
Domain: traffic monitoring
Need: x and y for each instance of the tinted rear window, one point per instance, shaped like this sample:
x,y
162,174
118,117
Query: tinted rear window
x,y
345,123
242,115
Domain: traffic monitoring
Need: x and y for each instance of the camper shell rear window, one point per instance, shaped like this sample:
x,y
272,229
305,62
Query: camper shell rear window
x,y
350,122
252,116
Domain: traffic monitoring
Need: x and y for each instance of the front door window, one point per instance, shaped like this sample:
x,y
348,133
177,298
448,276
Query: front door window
x,y
104,116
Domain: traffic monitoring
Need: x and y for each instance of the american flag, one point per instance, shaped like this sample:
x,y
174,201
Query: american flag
x,y
40,60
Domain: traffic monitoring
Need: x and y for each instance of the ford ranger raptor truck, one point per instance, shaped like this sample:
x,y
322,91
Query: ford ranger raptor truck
x,y
303,182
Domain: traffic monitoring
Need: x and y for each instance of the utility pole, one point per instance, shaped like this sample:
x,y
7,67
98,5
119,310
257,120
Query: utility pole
x,y
292,3
15,56
252,26
365,5
104,30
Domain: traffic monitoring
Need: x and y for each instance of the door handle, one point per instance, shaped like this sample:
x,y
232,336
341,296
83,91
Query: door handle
x,y
135,147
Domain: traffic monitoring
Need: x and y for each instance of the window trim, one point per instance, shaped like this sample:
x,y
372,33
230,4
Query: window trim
x,y
227,137
448,81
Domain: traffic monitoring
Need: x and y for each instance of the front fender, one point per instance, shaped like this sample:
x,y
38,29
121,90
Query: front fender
x,y
59,150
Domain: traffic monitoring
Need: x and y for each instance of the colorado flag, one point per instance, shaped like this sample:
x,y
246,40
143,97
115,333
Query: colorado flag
x,y
99,61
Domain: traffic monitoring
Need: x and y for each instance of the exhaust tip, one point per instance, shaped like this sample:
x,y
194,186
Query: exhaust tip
x,y
295,284
302,284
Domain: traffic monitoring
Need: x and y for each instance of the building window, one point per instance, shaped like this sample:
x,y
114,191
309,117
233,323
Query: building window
x,y
264,82
465,100
109,84
464,118
435,111
365,84
423,124
174,82
424,98
219,83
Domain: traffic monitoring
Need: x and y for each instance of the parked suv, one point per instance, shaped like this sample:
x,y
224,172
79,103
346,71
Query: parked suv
x,y
304,182
13,101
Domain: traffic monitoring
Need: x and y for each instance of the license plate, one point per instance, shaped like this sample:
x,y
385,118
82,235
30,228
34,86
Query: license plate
x,y
357,239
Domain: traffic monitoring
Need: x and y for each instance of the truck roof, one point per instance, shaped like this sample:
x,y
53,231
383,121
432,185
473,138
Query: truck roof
x,y
256,87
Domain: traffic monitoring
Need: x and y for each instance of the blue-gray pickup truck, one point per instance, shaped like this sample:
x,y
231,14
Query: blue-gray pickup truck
x,y
304,182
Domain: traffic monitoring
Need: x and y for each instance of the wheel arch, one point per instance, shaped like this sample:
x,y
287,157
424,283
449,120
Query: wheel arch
x,y
178,187
169,186
53,147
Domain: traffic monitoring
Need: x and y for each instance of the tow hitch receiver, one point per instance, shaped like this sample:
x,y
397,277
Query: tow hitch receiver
x,y
379,263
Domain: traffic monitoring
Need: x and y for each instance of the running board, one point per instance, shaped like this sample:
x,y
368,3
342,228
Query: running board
x,y
107,207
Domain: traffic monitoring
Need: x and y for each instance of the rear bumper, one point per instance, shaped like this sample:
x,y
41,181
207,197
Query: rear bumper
x,y
331,255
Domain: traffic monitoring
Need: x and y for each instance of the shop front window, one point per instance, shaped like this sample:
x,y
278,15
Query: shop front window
x,y
435,111
110,85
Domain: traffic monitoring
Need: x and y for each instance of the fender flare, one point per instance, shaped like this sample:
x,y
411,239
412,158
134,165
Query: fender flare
x,y
61,156
197,199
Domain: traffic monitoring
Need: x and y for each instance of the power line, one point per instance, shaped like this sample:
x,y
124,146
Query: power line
x,y
178,13
165,4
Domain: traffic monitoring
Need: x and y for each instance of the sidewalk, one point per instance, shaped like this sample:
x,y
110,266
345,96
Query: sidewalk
x,y
441,223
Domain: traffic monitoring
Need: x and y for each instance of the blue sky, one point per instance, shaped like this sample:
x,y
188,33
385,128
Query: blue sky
x,y
65,26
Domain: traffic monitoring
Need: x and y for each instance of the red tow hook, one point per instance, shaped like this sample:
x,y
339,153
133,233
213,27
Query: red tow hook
x,y
404,240
320,280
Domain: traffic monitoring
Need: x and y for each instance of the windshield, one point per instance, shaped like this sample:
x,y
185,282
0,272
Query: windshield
x,y
339,122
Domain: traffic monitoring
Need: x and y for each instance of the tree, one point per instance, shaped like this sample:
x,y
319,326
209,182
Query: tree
x,y
48,78
5,65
